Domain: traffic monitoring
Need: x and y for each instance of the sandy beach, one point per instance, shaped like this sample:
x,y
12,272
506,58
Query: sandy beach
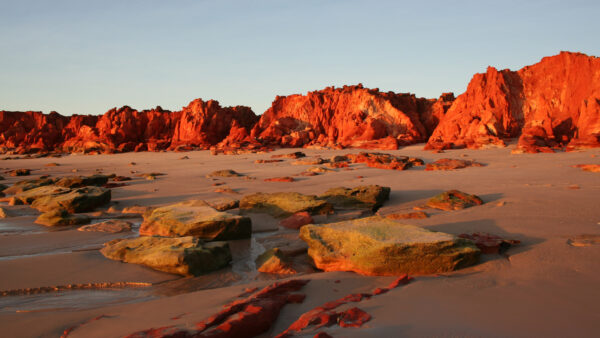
x,y
541,287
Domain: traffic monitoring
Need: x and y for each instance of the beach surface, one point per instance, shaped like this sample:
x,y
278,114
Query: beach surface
x,y
543,286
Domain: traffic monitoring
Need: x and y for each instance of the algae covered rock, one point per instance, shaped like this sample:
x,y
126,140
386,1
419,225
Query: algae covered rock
x,y
283,204
379,246
73,200
363,197
59,217
181,255
453,200
195,218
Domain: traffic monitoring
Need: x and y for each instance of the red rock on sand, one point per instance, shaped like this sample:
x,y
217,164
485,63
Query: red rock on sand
x,y
490,244
268,161
551,104
325,315
297,220
280,179
451,164
241,318
384,161
594,168
294,155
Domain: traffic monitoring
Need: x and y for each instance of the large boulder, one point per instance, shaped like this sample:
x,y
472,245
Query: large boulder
x,y
283,204
363,197
73,200
195,218
182,255
379,246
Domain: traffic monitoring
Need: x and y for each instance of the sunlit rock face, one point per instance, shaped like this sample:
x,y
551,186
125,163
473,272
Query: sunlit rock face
x,y
551,104
199,125
351,116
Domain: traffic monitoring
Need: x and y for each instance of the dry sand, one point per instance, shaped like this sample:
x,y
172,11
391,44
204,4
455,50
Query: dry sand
x,y
543,287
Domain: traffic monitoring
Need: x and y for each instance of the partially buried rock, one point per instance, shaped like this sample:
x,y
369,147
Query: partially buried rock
x,y
379,246
584,240
74,200
362,197
150,176
283,204
451,164
59,217
223,203
594,168
181,255
195,218
297,220
4,213
490,244
280,179
453,200
28,185
274,261
224,173
136,209
111,226
294,155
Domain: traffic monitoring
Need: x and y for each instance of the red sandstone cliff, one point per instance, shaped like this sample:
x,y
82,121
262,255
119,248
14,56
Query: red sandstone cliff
x,y
199,125
351,116
549,105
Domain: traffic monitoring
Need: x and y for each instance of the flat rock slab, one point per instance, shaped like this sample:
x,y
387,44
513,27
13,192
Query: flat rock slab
x,y
58,217
73,200
283,204
195,218
182,255
379,246
451,164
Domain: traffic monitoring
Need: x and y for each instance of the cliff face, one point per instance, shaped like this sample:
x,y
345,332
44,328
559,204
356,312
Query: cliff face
x,y
351,116
200,125
549,105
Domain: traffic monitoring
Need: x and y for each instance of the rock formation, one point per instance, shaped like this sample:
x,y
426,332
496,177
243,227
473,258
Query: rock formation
x,y
199,125
552,104
351,116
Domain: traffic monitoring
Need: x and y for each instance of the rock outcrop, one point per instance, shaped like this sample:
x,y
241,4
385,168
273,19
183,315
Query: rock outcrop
x,y
351,116
199,125
549,105
380,246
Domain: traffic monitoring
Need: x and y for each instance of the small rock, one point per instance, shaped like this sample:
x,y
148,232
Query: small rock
x,y
409,215
294,155
584,240
57,217
490,244
280,179
224,173
453,200
275,262
3,213
20,172
451,164
52,164
362,197
283,204
297,220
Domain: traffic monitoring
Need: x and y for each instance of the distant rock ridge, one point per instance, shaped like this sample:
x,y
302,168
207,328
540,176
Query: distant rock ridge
x,y
554,104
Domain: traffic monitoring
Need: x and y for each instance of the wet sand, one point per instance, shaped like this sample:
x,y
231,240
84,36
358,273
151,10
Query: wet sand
x,y
542,287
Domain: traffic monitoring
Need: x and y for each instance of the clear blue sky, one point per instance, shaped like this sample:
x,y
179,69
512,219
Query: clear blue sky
x,y
89,56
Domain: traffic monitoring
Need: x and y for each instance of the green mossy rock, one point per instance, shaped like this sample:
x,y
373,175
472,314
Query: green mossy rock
x,y
379,246
82,199
363,197
195,218
181,255
283,204
59,217
453,200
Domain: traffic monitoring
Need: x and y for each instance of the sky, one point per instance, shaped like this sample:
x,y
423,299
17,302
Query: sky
x,y
86,57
